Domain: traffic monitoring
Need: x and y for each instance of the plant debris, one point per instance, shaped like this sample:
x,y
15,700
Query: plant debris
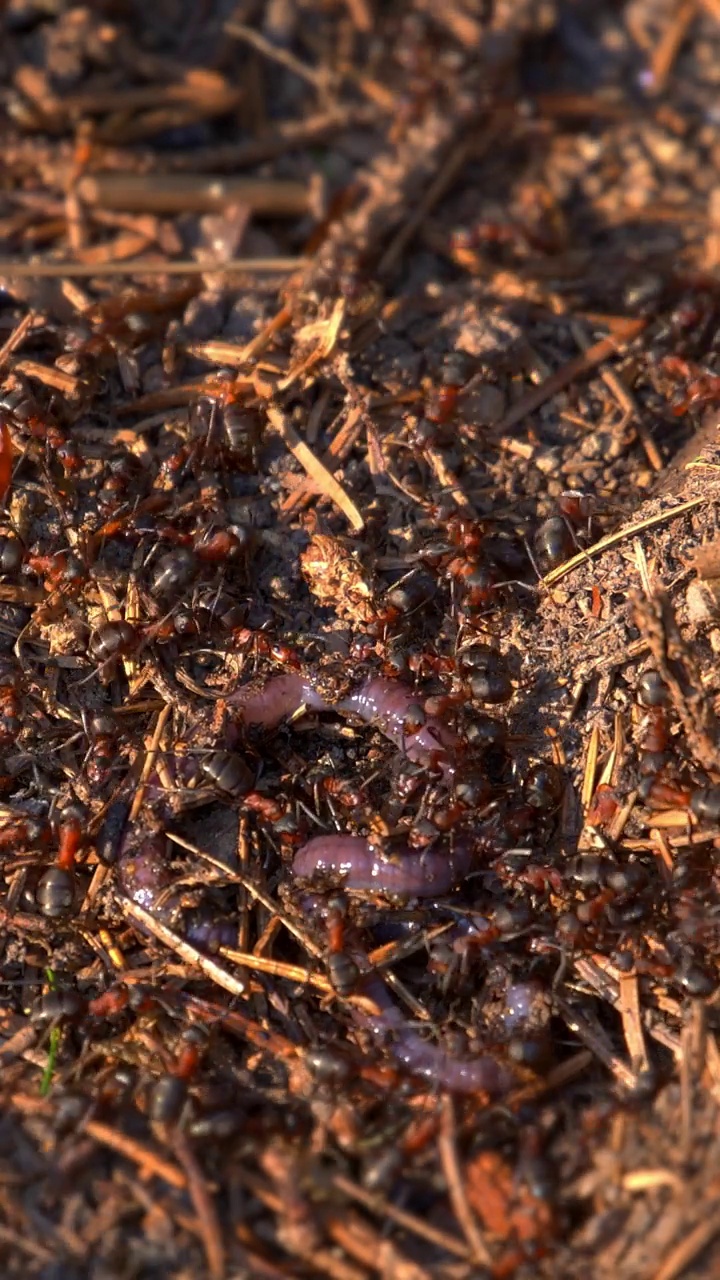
x,y
359,620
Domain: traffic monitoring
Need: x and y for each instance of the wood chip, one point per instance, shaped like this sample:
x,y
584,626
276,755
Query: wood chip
x,y
629,1007
189,193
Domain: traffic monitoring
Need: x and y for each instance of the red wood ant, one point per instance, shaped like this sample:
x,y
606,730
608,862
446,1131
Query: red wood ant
x,y
19,410
169,1093
11,705
343,971
56,890
62,572
702,386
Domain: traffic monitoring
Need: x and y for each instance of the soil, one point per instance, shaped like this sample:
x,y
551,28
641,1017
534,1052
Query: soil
x,y
350,339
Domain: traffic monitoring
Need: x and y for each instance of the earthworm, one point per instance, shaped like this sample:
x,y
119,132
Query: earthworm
x,y
356,863
386,703
483,1074
522,1001
143,872
392,707
145,877
351,860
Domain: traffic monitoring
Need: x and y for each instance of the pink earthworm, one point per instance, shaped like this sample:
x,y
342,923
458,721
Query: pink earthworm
x,y
353,860
420,1057
386,703
145,876
355,863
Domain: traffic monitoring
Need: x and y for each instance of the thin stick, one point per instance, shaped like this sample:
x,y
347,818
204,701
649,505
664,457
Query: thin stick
x,y
257,345
642,566
269,50
338,449
324,479
277,968
18,336
261,1037
211,91
409,1221
435,192
466,30
286,135
31,1247
361,14
562,378
189,954
190,193
447,1146
12,269
203,1204
236,877
151,755
595,1040
149,1163
693,1244
612,539
392,952
670,43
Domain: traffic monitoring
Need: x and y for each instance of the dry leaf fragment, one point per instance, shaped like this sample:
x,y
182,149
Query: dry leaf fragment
x,y
335,577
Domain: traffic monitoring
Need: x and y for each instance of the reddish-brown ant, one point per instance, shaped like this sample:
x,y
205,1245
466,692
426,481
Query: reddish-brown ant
x,y
11,703
18,409
18,831
343,791
702,386
102,732
577,507
442,403
264,646
62,572
659,789
225,426
127,521
343,972
71,832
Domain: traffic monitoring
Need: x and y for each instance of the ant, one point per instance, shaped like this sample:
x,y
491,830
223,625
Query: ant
x,y
659,789
441,402
222,422
102,734
559,537
343,972
169,1093
11,704
56,890
702,386
20,411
